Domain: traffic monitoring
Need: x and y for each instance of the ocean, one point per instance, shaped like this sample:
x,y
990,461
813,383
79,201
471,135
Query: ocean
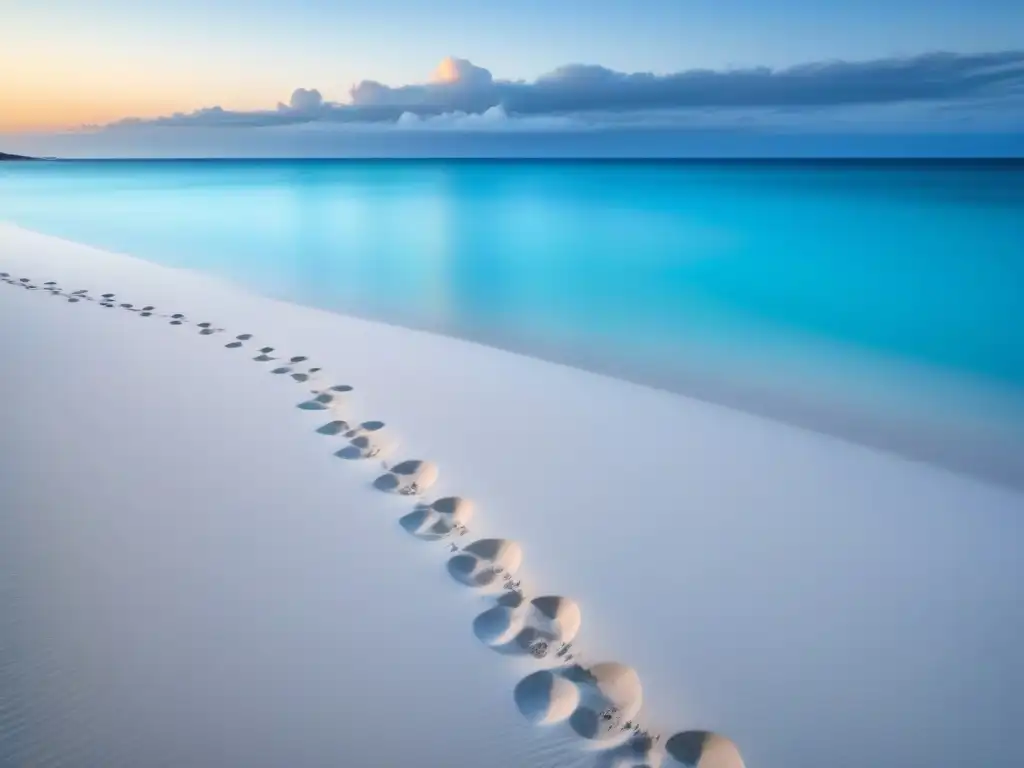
x,y
879,301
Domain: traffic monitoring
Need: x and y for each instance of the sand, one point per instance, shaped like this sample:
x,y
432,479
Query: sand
x,y
180,544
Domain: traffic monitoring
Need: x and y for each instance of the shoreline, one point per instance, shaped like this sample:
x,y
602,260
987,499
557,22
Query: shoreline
x,y
978,453
910,419
637,502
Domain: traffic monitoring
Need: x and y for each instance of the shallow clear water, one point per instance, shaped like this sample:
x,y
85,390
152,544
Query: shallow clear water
x,y
655,271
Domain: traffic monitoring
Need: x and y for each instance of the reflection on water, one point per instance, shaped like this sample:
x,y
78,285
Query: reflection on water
x,y
738,282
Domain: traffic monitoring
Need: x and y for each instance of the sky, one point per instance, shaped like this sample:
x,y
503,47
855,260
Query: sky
x,y
65,64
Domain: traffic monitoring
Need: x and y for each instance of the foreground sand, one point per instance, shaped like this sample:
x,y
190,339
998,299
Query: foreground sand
x,y
191,571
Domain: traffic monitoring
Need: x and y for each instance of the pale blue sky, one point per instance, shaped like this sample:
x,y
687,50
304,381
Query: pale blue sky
x,y
249,53
70,63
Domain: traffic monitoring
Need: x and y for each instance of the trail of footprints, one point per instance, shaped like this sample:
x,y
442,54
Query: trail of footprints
x,y
601,701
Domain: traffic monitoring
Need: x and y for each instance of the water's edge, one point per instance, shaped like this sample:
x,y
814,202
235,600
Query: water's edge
x,y
983,457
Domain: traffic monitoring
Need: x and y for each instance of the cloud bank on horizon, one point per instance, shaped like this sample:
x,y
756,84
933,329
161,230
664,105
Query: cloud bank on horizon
x,y
947,87
935,104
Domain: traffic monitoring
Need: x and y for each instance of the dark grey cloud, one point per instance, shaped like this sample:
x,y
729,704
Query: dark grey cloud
x,y
595,93
929,77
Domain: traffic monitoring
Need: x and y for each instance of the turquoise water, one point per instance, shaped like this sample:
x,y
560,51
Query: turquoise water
x,y
651,270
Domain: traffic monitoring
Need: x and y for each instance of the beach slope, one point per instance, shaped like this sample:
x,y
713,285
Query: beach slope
x,y
198,564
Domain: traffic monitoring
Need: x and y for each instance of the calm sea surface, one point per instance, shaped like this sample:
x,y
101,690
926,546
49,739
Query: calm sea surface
x,y
870,281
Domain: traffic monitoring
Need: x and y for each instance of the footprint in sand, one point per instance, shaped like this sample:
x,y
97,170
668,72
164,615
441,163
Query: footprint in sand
x,y
641,750
337,391
333,398
702,749
366,428
439,519
368,440
264,355
365,447
485,562
408,478
537,627
321,402
599,702
289,369
333,428
610,696
546,698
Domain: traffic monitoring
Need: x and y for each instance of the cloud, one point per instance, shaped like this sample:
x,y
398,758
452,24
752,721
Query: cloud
x,y
492,119
970,88
303,101
580,88
928,77
461,71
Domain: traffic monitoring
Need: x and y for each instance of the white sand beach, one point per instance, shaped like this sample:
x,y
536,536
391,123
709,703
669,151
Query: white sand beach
x,y
199,567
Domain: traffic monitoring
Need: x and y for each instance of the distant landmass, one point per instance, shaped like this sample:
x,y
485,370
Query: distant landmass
x,y
4,156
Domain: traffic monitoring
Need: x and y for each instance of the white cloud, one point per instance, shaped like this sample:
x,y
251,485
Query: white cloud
x,y
492,119
462,71
306,101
